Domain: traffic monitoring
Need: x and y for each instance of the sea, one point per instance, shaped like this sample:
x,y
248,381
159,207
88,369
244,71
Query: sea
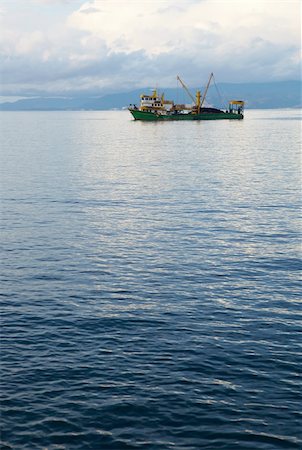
x,y
151,297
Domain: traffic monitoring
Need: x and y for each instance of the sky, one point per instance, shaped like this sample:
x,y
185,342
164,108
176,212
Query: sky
x,y
77,47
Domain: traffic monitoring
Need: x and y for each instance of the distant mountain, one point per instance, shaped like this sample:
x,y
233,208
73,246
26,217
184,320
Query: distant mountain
x,y
43,104
282,94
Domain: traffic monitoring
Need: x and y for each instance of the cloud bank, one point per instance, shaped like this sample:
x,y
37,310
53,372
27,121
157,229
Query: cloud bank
x,y
102,46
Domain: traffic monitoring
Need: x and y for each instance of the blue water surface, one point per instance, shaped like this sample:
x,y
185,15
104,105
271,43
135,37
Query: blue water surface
x,y
150,282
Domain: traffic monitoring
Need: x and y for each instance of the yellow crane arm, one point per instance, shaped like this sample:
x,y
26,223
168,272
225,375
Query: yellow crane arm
x,y
186,89
206,90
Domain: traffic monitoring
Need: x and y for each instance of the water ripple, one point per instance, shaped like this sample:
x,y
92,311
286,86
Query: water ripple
x,y
150,284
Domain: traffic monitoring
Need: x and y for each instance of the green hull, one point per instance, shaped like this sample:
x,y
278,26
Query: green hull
x,y
151,117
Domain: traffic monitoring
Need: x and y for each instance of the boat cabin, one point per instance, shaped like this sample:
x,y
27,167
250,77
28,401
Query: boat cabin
x,y
236,106
151,102
155,103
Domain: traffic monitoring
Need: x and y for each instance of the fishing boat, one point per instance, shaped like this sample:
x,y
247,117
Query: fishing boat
x,y
155,107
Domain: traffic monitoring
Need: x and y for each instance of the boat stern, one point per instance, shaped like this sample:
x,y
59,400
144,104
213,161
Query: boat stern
x,y
236,107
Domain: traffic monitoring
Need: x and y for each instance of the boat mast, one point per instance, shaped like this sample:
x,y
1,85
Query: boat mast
x,y
206,91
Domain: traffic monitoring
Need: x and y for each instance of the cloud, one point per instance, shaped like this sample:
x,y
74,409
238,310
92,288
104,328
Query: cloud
x,y
50,2
111,46
89,10
159,26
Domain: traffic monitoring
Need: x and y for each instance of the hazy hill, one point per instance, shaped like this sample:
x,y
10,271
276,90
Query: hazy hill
x,y
283,94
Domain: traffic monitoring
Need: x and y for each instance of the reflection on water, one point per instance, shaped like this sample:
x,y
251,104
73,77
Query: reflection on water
x,y
150,282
